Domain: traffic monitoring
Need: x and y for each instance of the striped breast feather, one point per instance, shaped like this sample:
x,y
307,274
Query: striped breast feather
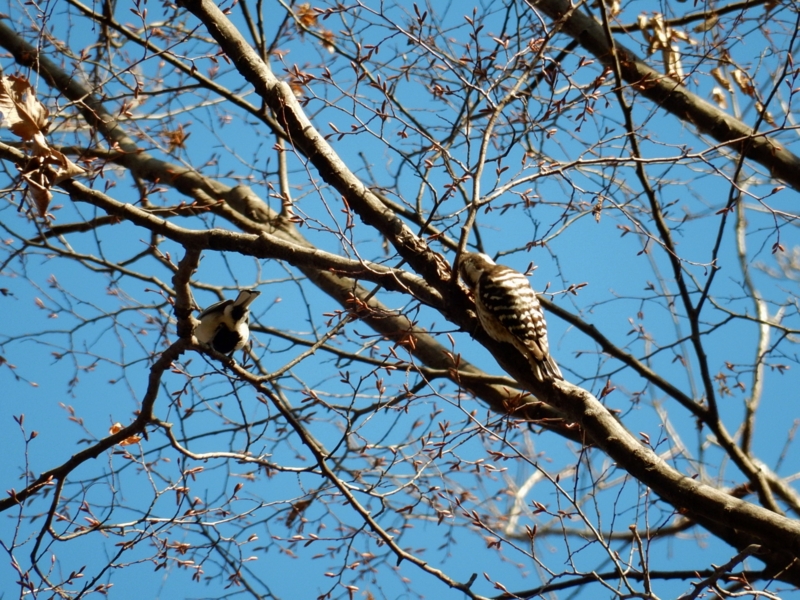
x,y
509,298
506,290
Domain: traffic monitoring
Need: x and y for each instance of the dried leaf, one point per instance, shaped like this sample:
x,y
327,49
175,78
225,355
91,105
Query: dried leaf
x,y
134,439
28,118
24,115
40,195
672,62
43,171
766,114
597,210
742,79
720,78
307,15
719,98
328,41
128,441
176,138
65,168
660,32
297,509
708,24
680,34
644,24
662,40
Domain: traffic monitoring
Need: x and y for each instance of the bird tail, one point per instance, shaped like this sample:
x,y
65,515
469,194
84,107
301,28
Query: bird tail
x,y
546,369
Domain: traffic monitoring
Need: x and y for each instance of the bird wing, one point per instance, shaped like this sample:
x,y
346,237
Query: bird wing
x,y
214,308
513,314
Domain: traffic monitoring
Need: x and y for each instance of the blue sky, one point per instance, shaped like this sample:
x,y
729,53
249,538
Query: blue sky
x,y
624,291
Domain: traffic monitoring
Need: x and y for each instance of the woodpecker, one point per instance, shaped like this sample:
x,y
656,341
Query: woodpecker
x,y
509,311
224,325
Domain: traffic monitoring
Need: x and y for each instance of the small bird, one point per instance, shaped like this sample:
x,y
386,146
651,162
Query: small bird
x,y
224,325
509,311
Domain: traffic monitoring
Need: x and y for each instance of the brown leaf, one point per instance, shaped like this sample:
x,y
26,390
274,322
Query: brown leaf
x,y
742,79
328,41
43,171
707,24
28,118
307,15
24,115
297,509
176,138
672,61
720,78
767,115
39,193
719,98
65,168
116,428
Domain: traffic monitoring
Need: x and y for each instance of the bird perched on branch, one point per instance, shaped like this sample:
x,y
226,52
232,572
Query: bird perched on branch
x,y
225,325
509,311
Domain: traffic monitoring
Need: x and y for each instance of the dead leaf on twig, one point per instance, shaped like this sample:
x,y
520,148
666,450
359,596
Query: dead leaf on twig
x,y
134,439
661,37
24,115
29,119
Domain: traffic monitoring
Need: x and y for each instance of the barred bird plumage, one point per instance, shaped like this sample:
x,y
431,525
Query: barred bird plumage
x,y
509,311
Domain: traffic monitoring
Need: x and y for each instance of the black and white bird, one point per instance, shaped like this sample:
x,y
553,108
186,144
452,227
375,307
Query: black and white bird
x,y
225,325
509,311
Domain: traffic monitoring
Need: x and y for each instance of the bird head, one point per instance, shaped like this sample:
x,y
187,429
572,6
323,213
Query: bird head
x,y
472,265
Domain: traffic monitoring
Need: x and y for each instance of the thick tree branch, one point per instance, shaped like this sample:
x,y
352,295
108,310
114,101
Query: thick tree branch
x,y
313,145
673,96
243,208
737,521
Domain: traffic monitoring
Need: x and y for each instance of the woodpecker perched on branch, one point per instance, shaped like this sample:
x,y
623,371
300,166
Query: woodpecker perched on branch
x,y
224,325
509,311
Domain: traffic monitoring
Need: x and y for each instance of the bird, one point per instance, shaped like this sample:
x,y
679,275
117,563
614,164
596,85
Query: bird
x,y
509,311
224,326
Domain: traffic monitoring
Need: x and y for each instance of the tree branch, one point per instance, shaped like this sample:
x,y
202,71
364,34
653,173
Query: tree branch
x,y
674,97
